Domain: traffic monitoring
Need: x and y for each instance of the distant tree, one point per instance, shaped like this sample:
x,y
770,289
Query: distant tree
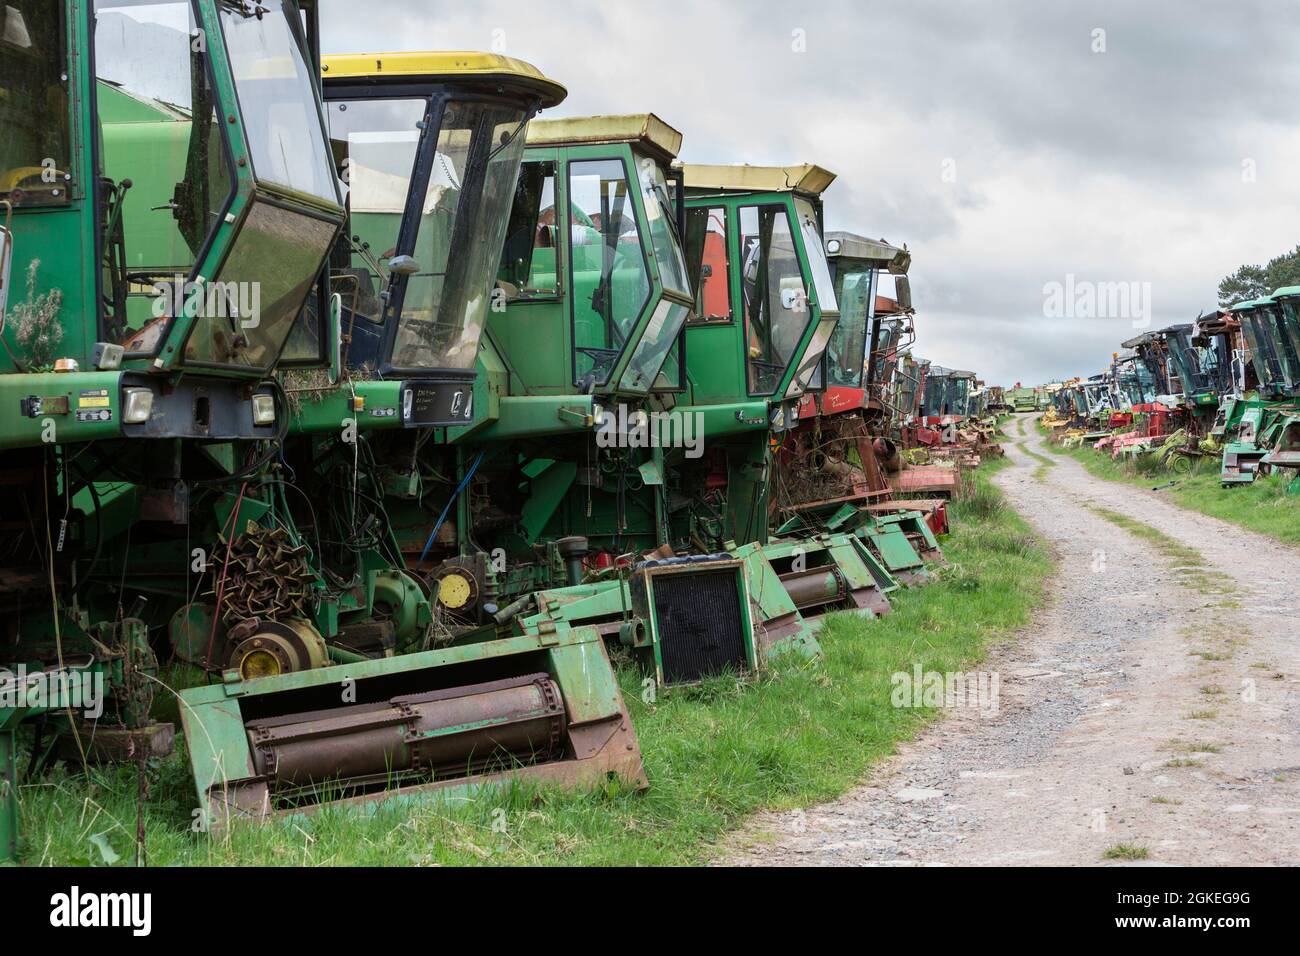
x,y
1253,282
1284,270
1248,282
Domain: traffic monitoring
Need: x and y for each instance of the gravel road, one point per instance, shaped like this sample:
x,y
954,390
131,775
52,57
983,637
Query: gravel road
x,y
1153,703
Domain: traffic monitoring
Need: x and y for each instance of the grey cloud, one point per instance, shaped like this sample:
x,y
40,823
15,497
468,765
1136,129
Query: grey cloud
x,y
1123,165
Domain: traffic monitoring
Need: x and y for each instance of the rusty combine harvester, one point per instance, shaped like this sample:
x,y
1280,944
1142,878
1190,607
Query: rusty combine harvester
x,y
402,524
1224,387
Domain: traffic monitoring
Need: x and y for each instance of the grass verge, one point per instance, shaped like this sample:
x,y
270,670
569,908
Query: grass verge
x,y
1262,506
714,754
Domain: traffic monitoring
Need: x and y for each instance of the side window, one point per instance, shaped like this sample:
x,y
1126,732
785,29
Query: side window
x,y
166,176
775,299
856,297
530,256
373,142
34,151
706,254
610,282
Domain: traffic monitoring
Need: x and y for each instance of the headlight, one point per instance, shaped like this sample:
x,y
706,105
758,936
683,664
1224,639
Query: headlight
x,y
137,405
408,403
263,409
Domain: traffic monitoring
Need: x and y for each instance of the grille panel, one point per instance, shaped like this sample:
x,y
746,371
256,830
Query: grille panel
x,y
698,616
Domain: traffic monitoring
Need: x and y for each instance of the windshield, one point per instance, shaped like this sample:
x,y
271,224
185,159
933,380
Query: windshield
x,y
1284,323
1262,356
883,352
774,295
373,144
1187,361
662,216
528,264
167,177
471,181
812,243
961,394
856,297
253,303
932,397
660,336
806,376
277,96
34,152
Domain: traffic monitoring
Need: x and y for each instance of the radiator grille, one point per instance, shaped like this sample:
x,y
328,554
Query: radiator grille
x,y
698,616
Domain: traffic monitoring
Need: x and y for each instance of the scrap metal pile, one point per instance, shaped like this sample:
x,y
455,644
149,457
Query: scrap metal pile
x,y
565,395
1221,392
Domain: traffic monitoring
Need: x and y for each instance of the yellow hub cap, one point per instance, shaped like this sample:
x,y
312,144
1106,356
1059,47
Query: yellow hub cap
x,y
259,663
454,592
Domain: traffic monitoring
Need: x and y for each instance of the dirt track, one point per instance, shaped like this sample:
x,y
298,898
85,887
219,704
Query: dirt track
x,y
1151,704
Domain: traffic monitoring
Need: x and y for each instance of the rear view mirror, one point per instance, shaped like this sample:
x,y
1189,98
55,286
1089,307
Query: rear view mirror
x,y
334,337
792,294
403,266
903,293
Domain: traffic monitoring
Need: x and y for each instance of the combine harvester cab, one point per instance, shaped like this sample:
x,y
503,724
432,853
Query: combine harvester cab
x,y
428,148
1153,407
1194,378
432,145
767,309
567,478
1277,325
658,522
168,237
1243,420
593,305
901,538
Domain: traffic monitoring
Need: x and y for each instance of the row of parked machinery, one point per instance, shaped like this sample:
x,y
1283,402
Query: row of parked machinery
x,y
392,410
1227,384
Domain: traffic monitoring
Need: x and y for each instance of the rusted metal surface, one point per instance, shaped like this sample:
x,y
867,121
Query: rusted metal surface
x,y
815,587
465,729
599,751
264,574
925,479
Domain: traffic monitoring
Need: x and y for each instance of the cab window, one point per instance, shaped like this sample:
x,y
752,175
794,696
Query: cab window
x,y
706,251
34,152
609,277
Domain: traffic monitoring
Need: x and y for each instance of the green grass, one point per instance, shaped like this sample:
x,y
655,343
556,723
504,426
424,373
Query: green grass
x,y
714,754
1262,506
1126,851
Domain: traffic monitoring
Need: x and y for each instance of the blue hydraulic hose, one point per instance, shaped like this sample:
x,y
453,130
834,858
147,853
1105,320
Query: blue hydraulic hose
x,y
450,501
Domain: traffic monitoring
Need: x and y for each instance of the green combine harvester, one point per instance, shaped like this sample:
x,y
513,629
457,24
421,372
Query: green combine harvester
x,y
1261,431
162,264
151,422
391,411
429,148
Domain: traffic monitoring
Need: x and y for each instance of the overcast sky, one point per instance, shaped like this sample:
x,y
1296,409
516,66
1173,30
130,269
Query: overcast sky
x,y
1009,144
